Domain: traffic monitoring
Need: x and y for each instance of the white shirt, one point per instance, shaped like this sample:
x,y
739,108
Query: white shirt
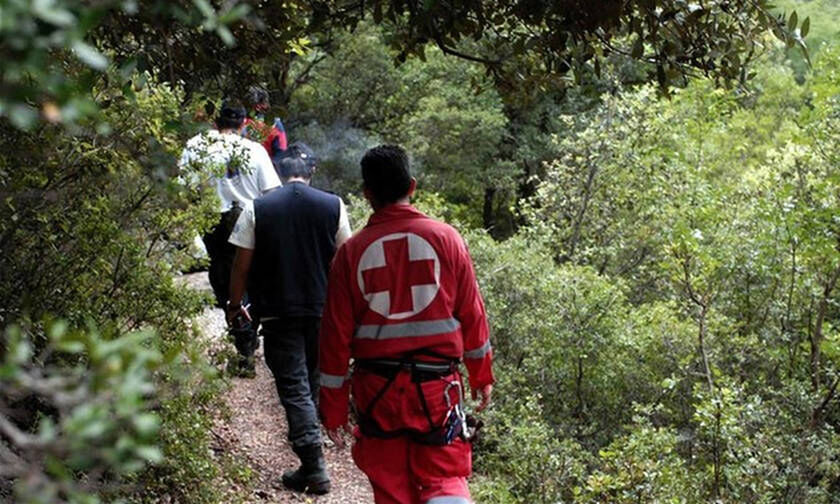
x,y
243,234
240,168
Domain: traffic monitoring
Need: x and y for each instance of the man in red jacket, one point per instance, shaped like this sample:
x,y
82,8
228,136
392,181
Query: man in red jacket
x,y
403,303
273,137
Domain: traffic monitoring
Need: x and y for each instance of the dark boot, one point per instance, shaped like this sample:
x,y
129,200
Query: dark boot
x,y
244,367
245,340
311,477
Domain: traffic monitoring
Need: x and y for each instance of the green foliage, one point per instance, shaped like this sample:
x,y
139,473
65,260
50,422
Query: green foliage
x,y
820,31
51,61
643,466
113,203
526,45
92,229
29,33
187,473
452,132
670,306
747,443
520,449
581,351
95,395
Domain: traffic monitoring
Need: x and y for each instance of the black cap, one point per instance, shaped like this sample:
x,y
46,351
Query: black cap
x,y
233,111
302,151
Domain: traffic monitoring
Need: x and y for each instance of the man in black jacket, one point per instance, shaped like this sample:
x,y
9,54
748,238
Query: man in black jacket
x,y
285,245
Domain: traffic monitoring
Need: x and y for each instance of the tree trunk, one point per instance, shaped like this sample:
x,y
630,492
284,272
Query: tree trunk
x,y
701,346
817,333
489,212
571,246
524,191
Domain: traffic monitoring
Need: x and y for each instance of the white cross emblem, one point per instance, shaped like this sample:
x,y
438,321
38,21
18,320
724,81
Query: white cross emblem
x,y
399,275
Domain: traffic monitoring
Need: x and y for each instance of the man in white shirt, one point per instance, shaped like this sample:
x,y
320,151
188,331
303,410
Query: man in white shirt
x,y
240,168
241,171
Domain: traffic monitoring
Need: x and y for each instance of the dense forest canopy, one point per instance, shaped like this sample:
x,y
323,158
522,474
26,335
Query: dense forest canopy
x,y
649,191
203,46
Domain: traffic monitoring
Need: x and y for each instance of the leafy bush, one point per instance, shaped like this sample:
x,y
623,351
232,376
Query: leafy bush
x,y
520,456
83,405
669,310
643,466
93,228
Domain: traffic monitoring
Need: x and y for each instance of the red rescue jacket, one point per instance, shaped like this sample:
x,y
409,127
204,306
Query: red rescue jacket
x,y
405,283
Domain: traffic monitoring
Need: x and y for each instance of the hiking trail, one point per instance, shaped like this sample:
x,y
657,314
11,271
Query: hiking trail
x,y
255,430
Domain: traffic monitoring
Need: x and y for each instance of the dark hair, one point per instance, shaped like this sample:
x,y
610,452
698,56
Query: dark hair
x,y
386,173
231,116
256,95
293,167
300,150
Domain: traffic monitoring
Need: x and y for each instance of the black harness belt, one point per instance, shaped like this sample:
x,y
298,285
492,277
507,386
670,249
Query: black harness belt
x,y
421,371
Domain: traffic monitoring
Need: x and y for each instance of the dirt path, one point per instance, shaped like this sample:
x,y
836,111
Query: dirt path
x,y
256,431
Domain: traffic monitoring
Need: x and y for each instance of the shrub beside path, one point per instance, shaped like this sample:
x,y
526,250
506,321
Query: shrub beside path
x,y
256,431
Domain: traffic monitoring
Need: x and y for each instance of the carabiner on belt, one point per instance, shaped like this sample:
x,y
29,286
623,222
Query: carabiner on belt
x,y
457,410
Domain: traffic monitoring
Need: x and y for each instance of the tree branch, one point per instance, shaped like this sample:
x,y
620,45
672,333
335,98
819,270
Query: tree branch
x,y
477,59
817,413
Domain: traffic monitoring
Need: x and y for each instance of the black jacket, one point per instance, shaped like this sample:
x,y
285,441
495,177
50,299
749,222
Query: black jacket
x,y
295,230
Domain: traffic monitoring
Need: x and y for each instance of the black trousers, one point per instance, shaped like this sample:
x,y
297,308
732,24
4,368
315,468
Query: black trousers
x,y
221,263
221,255
291,352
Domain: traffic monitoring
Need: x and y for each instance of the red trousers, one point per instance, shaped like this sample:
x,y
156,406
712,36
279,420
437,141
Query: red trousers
x,y
404,472
401,470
